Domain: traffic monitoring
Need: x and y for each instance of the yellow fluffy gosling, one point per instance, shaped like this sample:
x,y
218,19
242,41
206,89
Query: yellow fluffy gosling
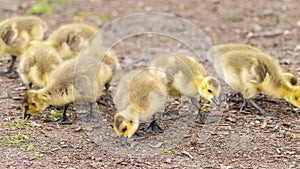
x,y
37,62
229,47
69,39
138,97
250,72
66,85
17,32
184,75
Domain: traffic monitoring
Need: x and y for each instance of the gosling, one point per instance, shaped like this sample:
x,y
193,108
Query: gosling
x,y
69,39
250,72
16,33
139,96
184,75
224,48
65,85
37,62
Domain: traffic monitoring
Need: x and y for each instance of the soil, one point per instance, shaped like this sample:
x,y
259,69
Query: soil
x,y
238,139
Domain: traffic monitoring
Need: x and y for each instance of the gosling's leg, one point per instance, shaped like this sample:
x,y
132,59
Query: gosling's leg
x,y
64,119
262,111
154,127
106,90
30,86
10,73
201,116
90,117
244,105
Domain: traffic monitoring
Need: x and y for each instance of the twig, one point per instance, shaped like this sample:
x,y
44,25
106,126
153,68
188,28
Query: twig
x,y
187,154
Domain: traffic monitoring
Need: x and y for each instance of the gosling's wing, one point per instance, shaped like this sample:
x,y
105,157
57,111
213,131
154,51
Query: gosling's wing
x,y
216,55
172,70
75,42
257,73
10,37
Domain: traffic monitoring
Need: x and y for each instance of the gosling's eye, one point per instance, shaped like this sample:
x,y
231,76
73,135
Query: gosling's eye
x,y
296,98
26,107
130,121
209,91
32,104
124,129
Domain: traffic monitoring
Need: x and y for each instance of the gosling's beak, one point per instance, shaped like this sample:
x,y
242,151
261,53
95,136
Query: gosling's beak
x,y
26,116
216,100
123,140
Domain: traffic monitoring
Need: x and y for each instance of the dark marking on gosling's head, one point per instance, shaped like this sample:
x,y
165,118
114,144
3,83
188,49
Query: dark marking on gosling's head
x,y
214,82
74,42
118,121
25,97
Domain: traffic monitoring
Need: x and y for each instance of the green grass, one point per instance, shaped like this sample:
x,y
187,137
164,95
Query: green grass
x,y
168,151
40,8
201,101
26,148
80,14
37,155
45,6
101,107
236,18
54,115
206,109
15,140
20,124
11,142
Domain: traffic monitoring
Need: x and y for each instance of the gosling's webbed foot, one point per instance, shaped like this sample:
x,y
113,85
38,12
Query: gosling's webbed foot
x,y
166,117
244,107
262,111
10,74
247,109
265,113
136,137
89,118
64,121
154,127
202,118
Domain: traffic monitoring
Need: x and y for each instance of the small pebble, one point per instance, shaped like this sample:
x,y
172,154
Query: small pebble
x,y
79,128
168,160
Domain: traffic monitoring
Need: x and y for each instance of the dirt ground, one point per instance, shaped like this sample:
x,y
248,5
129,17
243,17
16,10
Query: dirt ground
x,y
237,140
